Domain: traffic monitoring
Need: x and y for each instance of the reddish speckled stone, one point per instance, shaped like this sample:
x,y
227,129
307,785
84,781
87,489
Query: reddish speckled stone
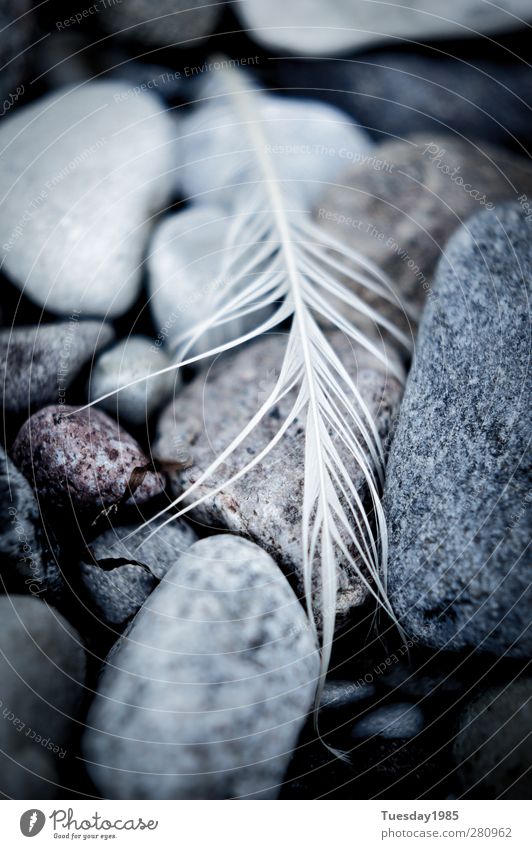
x,y
83,459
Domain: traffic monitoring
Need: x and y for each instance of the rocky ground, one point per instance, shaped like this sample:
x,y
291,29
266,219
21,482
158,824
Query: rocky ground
x,y
176,659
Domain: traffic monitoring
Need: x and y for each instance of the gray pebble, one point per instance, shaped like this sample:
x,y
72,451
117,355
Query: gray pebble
x,y
400,208
129,360
42,669
118,574
39,363
17,24
493,747
458,485
92,165
82,459
205,694
391,722
161,23
266,504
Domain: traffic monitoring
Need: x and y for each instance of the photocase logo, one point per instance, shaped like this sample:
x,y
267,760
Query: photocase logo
x,y
32,822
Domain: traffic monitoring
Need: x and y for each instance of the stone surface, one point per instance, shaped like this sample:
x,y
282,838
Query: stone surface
x,y
22,557
493,747
313,28
400,209
161,23
339,695
266,504
92,165
16,22
307,141
42,669
391,722
82,459
458,487
205,695
129,360
118,575
184,263
39,363
394,94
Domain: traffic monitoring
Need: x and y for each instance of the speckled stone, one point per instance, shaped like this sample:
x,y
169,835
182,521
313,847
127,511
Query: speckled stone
x,y
84,460
161,23
339,695
266,504
493,746
205,694
458,482
39,363
394,94
92,166
129,360
118,574
400,208
42,669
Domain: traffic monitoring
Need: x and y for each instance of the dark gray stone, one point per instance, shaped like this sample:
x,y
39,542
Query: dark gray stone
x,y
338,695
493,747
397,94
21,549
206,693
83,460
265,505
396,721
42,669
458,481
118,575
17,26
39,363
400,207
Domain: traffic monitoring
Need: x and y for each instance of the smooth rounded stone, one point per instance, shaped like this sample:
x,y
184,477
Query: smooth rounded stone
x,y
118,574
315,28
129,360
206,693
39,363
393,94
400,208
493,747
339,695
83,460
307,141
457,493
42,669
406,680
161,23
265,505
184,267
21,551
17,26
391,722
82,172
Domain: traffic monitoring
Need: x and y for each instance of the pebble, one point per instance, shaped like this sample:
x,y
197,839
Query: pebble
x,y
316,29
161,23
458,488
42,669
400,208
395,721
39,363
339,695
493,747
184,278
16,22
81,459
308,143
266,504
129,360
206,693
393,94
93,165
118,575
